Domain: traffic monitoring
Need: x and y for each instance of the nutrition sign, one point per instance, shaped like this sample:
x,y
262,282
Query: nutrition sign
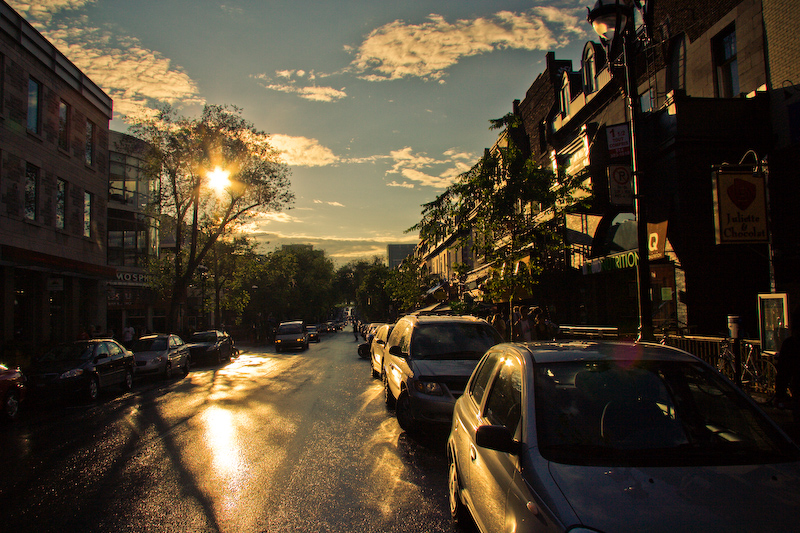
x,y
740,207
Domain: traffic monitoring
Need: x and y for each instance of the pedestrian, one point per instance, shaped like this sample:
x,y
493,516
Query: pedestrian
x,y
524,326
540,331
355,330
500,325
127,335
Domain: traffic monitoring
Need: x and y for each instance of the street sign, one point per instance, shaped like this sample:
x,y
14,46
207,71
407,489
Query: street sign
x,y
620,185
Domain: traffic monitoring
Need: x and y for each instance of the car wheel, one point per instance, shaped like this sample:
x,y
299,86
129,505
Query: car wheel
x,y
127,383
168,371
402,411
11,406
387,393
375,373
457,510
94,388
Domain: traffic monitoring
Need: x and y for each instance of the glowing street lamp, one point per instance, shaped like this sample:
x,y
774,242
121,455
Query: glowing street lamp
x,y
613,23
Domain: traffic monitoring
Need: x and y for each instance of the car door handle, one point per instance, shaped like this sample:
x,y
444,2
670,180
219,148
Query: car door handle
x,y
473,453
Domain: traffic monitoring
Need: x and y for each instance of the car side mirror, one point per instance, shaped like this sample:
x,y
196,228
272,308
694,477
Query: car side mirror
x,y
497,438
396,351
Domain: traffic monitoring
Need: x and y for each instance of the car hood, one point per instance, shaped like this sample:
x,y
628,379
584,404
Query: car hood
x,y
191,345
434,367
669,499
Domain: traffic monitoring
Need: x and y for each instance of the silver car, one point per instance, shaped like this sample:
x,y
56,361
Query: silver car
x,y
427,363
378,347
609,437
161,354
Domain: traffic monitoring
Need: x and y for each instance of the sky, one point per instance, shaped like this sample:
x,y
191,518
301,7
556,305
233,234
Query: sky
x,y
376,106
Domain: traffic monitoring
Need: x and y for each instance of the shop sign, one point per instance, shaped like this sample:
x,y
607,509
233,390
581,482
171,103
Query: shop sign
x,y
609,263
131,278
740,207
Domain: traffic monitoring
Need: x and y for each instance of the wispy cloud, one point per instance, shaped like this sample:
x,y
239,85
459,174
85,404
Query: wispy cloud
x,y
418,168
302,151
398,50
138,79
296,82
334,204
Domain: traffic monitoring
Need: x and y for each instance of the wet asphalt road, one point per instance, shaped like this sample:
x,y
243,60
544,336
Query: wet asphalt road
x,y
297,441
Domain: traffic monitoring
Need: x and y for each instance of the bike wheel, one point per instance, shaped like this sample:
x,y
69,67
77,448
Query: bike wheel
x,y
764,375
725,367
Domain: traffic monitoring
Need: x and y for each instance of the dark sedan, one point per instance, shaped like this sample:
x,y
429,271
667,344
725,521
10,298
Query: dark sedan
x,y
82,367
211,346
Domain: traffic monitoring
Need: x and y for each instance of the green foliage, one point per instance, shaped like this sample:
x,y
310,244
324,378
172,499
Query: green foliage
x,y
180,154
507,208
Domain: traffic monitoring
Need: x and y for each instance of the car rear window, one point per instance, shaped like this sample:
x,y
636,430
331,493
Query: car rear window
x,y
290,329
150,345
454,340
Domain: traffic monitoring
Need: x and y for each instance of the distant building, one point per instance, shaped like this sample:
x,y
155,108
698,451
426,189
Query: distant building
x,y
54,190
132,238
396,253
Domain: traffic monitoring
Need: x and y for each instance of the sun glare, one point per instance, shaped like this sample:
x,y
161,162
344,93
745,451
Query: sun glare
x,y
218,179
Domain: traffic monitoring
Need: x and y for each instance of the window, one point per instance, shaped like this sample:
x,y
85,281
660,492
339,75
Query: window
x,y
31,191
87,214
89,143
482,376
726,67
676,78
646,100
589,71
504,406
34,101
63,125
61,204
565,95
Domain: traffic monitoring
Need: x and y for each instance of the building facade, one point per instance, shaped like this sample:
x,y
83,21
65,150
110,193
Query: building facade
x,y
53,193
132,238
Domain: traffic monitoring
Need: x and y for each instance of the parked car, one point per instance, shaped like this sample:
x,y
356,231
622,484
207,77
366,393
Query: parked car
x,y
313,333
291,335
211,346
82,367
161,354
12,392
612,437
428,362
378,347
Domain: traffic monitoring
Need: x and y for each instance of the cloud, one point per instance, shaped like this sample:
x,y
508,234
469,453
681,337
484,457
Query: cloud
x,y
302,151
43,10
137,79
398,50
334,204
295,82
417,167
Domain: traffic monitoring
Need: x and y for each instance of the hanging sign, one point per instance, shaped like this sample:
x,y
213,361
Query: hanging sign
x,y
620,184
619,140
740,207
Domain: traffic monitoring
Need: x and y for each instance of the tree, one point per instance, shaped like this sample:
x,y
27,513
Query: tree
x,y
505,207
406,284
231,263
216,172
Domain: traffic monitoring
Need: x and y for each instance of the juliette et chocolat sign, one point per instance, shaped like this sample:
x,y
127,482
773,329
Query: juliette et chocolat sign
x,y
740,207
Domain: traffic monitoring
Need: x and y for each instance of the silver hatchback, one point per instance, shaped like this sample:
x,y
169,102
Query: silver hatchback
x,y
615,437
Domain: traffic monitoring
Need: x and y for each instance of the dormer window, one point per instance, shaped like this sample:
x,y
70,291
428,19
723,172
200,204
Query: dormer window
x,y
589,70
565,97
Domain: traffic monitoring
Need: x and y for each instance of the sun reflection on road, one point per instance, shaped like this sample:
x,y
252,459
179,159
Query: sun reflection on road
x,y
222,439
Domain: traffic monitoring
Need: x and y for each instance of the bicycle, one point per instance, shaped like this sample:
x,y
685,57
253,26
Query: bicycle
x,y
757,373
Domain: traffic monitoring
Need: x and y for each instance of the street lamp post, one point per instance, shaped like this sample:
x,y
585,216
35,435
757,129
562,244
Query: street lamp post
x,y
614,24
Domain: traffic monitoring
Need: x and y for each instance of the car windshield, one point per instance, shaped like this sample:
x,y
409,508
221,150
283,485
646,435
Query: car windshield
x,y
78,351
453,340
205,336
290,329
649,413
150,345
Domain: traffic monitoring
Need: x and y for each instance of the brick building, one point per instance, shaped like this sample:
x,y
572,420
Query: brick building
x,y
53,193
